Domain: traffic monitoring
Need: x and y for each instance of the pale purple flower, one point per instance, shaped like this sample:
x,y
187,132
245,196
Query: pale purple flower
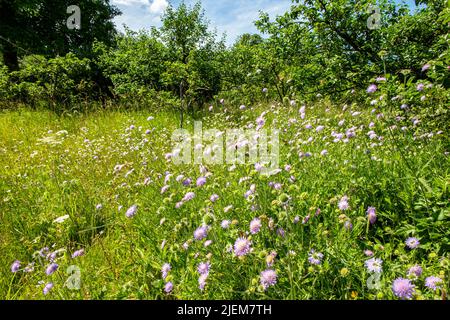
x,y
201,181
412,242
324,152
368,253
380,79
426,67
187,182
165,270
403,288
268,278
433,282
296,219
203,268
51,268
131,212
168,287
47,288
343,203
214,198
201,232
241,247
372,88
374,265
78,253
99,206
164,189
306,219
207,243
188,196
348,225
15,266
281,232
420,87
202,281
255,225
315,257
371,214
415,271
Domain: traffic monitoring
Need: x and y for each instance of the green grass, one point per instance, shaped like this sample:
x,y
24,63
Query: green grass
x,y
45,175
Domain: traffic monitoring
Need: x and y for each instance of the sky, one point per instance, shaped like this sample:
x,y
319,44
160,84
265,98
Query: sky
x,y
234,17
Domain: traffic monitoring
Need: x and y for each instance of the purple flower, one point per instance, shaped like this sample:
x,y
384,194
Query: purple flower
x,y
343,203
420,87
78,253
165,270
315,257
201,181
412,242
371,214
51,268
203,268
403,288
372,88
214,198
202,281
201,232
225,224
374,265
168,287
48,287
131,211
433,282
188,196
415,271
15,266
255,226
281,232
426,67
241,247
268,278
348,225
187,182
368,253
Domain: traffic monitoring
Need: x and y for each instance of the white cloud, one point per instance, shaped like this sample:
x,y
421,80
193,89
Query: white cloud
x,y
158,6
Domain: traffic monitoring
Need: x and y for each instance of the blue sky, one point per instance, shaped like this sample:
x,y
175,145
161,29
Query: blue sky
x,y
234,17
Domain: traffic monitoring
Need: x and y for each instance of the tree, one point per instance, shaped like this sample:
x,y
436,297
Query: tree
x,y
39,27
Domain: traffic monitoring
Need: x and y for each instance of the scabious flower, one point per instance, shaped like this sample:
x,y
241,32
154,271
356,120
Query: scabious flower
x,y
214,198
203,268
201,232
412,242
225,224
371,214
15,266
281,232
201,181
348,225
51,268
241,247
324,152
255,226
374,265
188,196
315,257
78,253
415,271
131,212
372,88
426,67
403,288
47,288
268,278
343,203
168,287
433,283
165,270
420,87
202,281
